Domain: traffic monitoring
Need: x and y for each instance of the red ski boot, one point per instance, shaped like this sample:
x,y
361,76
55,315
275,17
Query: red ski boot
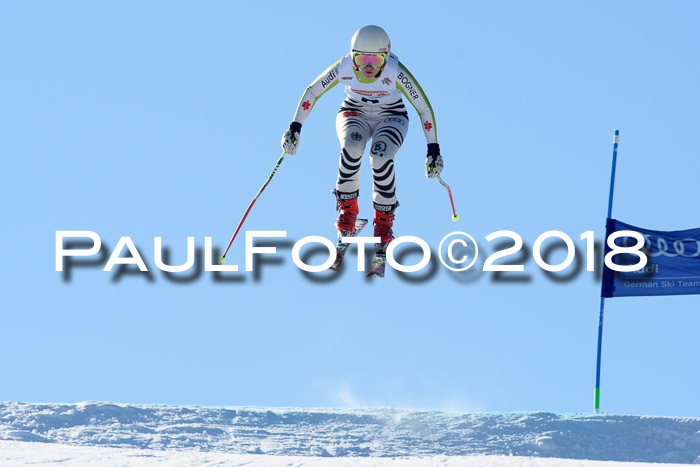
x,y
383,223
347,213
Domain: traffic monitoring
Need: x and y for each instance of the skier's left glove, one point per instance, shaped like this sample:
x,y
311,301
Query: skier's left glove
x,y
290,138
433,163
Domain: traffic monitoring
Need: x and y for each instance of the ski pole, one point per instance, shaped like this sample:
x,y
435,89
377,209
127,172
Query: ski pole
x,y
279,162
455,217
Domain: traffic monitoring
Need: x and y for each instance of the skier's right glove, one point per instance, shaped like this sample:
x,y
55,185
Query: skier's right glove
x,y
433,162
290,138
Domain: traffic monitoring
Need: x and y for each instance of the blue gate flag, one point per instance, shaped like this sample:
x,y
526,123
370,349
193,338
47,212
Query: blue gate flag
x,y
673,266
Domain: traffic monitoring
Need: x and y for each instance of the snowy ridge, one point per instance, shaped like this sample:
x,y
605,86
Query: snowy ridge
x,y
354,432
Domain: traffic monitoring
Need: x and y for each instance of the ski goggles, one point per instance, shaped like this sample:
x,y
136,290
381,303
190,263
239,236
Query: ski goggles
x,y
372,60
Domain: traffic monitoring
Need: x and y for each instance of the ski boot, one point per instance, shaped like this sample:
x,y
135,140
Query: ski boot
x,y
348,224
383,223
347,213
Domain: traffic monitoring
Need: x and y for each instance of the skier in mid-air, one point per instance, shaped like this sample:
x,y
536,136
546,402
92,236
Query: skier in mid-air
x,y
374,80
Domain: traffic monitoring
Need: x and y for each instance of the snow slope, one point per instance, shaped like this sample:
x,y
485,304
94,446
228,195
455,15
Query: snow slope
x,y
205,434
17,453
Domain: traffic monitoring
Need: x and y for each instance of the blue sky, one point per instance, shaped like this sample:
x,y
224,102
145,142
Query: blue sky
x,y
163,119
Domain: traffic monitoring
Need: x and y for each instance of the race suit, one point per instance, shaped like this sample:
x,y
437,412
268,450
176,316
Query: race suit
x,y
373,109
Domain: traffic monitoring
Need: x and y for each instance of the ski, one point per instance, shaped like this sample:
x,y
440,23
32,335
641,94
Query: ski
x,y
378,265
342,248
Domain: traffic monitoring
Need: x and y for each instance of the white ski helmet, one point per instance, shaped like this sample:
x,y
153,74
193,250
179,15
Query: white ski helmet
x,y
370,39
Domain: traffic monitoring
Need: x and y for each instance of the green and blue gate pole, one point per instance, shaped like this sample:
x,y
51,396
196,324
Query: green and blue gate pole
x,y
596,404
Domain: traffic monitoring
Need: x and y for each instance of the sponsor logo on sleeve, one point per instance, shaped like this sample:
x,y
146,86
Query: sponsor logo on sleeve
x,y
408,85
428,126
306,105
329,79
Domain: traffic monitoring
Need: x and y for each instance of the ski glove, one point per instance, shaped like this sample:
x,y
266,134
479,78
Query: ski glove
x,y
433,163
290,138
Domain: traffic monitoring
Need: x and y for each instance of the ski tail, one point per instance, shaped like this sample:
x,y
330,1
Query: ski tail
x,y
378,265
